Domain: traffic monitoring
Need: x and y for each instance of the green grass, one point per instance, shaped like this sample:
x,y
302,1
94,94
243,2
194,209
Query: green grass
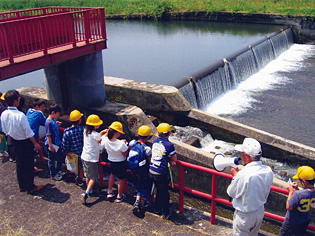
x,y
156,8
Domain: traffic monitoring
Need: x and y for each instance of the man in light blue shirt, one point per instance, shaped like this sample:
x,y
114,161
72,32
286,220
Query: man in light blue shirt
x,y
249,189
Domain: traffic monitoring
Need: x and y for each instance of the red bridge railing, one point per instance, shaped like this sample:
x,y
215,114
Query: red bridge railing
x,y
27,32
213,196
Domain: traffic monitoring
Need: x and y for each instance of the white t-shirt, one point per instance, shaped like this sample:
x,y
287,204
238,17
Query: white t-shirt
x,y
91,147
114,149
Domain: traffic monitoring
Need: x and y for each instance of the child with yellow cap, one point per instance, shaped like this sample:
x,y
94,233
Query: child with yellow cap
x,y
90,153
299,203
117,151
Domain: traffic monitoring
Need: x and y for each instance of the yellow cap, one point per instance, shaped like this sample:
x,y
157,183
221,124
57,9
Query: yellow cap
x,y
94,120
144,130
305,173
163,128
116,125
75,115
2,96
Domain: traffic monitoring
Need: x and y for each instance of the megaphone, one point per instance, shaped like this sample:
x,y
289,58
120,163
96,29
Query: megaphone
x,y
220,162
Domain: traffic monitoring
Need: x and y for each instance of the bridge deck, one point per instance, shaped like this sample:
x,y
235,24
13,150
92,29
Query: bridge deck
x,y
34,38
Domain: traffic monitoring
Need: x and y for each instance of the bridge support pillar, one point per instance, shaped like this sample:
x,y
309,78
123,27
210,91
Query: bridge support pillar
x,y
77,82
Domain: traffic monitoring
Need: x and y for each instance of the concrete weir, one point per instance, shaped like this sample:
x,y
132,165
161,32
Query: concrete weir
x,y
131,102
167,103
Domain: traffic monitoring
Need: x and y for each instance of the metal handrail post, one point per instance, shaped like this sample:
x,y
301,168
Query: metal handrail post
x,y
181,186
9,48
103,26
214,195
100,171
87,26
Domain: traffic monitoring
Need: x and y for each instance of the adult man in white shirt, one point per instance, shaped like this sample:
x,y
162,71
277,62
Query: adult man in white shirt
x,y
15,124
249,189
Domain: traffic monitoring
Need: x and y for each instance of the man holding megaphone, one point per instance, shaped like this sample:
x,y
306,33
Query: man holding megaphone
x,y
249,189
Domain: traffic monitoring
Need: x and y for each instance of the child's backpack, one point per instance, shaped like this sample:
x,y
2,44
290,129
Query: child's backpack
x,y
137,159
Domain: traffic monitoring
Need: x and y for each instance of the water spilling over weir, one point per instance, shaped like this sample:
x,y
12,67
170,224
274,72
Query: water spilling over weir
x,y
201,88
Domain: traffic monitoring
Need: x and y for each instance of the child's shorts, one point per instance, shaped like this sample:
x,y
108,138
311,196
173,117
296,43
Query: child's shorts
x,y
90,169
119,169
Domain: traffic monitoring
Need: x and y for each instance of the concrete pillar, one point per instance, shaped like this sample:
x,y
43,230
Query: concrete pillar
x,y
77,82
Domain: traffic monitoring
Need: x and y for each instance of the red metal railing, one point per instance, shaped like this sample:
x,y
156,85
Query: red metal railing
x,y
32,31
213,197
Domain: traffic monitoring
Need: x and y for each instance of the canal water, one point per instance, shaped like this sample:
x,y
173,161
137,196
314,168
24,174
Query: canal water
x,y
163,52
278,99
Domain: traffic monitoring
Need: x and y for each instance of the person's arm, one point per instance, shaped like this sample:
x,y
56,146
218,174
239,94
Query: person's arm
x,y
237,187
291,189
65,143
104,132
49,141
125,147
234,171
36,144
173,160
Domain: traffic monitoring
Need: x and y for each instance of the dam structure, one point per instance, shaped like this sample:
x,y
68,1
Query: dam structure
x,y
201,88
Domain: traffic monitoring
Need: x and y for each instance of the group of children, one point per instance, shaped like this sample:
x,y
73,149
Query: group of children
x,y
86,143
155,163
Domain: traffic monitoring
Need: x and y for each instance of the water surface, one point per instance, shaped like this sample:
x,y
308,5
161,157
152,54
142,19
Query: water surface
x,y
163,52
278,99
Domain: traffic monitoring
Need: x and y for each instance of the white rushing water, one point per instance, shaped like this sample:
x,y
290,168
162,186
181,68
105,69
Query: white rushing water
x,y
281,170
240,99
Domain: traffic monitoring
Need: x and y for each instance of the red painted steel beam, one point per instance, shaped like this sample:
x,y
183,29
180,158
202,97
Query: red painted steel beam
x,y
33,63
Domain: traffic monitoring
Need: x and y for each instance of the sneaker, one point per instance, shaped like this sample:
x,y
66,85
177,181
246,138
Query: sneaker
x,y
12,159
79,182
146,204
158,212
84,196
110,195
57,177
136,208
121,198
166,216
62,173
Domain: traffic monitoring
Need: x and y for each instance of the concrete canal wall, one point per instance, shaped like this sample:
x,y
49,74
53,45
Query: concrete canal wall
x,y
168,104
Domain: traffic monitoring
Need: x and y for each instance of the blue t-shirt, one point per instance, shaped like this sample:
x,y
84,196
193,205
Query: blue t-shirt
x,y
52,129
35,119
301,202
162,150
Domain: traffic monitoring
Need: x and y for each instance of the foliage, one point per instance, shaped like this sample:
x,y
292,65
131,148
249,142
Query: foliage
x,y
156,8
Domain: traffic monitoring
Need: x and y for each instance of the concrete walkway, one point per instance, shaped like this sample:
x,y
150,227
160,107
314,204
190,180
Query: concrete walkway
x,y
57,210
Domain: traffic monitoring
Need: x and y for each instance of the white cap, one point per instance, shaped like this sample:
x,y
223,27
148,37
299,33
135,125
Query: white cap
x,y
250,146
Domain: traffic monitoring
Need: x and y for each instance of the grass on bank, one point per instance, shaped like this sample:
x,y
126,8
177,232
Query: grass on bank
x,y
156,8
